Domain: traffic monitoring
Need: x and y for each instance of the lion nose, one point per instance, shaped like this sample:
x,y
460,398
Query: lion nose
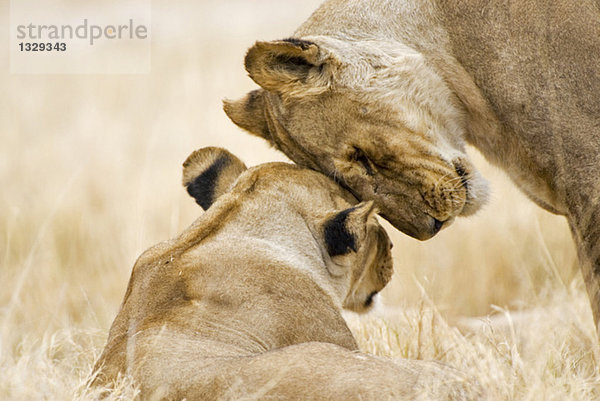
x,y
437,225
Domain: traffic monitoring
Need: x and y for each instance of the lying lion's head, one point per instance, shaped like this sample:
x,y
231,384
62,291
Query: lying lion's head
x,y
345,235
378,121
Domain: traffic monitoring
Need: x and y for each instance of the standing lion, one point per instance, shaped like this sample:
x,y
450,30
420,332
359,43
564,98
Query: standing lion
x,y
383,96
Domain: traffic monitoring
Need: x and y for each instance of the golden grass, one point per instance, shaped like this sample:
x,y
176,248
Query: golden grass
x,y
90,169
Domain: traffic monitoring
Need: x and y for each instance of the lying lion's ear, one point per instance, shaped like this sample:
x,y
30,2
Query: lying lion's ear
x,y
209,172
289,67
249,113
344,231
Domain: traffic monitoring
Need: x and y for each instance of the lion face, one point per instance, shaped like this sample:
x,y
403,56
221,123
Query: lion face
x,y
373,273
401,152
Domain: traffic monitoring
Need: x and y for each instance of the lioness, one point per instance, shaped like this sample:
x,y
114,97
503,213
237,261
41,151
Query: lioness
x,y
246,302
383,95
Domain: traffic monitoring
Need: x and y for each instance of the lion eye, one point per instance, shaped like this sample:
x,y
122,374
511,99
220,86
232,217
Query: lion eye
x,y
360,157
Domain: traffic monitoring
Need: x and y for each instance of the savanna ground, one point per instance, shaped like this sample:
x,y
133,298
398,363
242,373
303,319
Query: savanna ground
x,y
90,173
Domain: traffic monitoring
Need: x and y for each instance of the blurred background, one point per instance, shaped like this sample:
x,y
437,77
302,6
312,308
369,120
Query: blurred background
x,y
90,167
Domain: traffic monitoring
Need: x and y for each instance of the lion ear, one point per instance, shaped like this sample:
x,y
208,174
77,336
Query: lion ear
x,y
344,231
289,66
249,113
209,173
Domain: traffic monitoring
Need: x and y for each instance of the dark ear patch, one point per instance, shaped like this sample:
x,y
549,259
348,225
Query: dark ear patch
x,y
338,240
209,173
202,188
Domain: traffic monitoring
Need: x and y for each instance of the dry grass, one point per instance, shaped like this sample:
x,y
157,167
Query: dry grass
x,y
90,172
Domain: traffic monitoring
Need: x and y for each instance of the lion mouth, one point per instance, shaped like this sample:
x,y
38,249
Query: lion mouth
x,y
461,192
437,225
369,301
426,230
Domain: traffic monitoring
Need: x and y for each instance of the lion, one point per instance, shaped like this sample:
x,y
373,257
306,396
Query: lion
x,y
246,302
384,95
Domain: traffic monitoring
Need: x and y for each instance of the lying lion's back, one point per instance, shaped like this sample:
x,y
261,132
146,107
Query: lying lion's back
x,y
221,294
264,293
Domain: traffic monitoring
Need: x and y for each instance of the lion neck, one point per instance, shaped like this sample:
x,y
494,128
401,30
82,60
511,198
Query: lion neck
x,y
284,278
302,252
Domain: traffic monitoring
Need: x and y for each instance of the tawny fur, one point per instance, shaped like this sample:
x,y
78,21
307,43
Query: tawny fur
x,y
409,82
245,303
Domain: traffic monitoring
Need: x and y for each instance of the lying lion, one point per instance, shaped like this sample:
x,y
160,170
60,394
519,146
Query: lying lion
x,y
384,95
246,302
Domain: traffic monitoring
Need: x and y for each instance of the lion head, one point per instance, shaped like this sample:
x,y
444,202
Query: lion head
x,y
353,246
377,120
